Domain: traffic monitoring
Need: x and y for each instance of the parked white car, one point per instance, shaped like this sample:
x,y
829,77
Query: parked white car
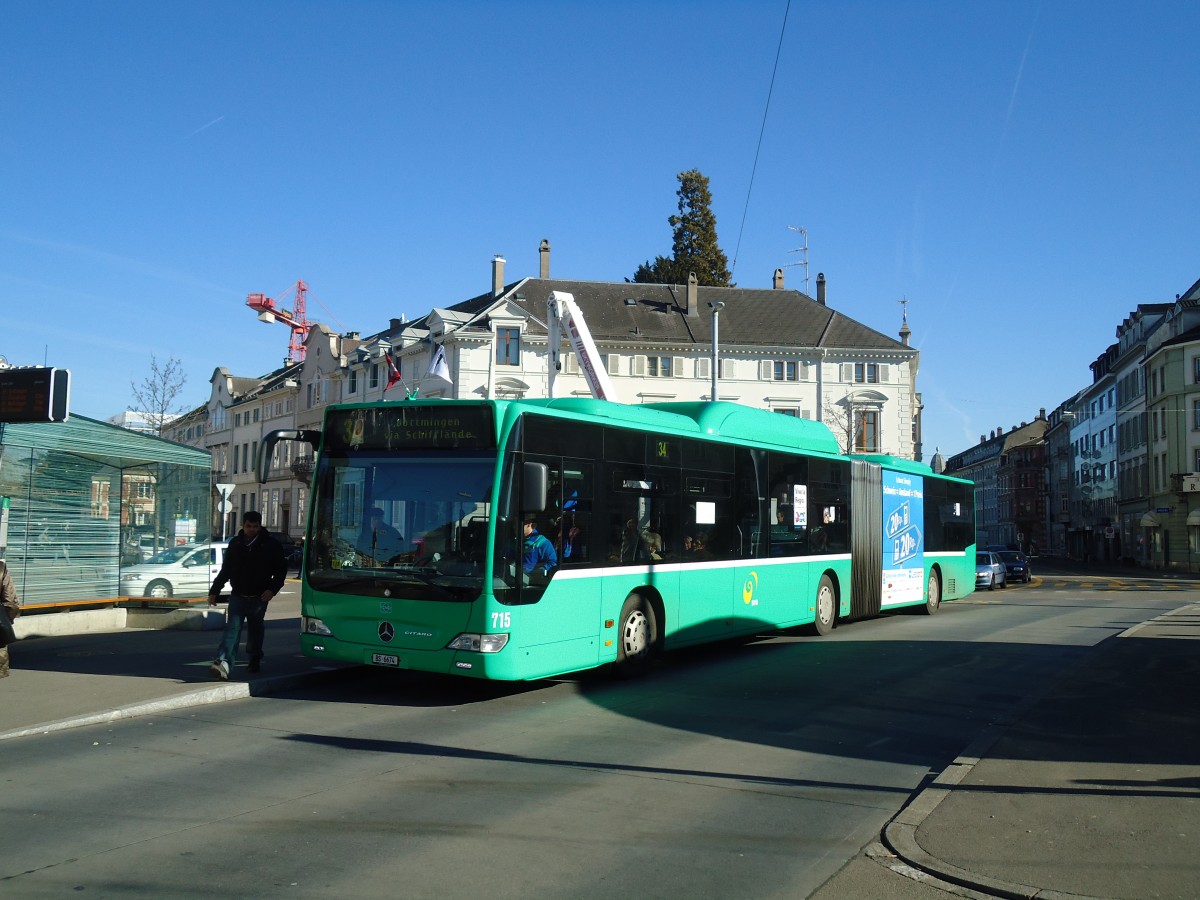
x,y
187,570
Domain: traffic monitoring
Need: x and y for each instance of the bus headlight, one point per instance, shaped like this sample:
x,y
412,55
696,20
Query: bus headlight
x,y
479,643
311,625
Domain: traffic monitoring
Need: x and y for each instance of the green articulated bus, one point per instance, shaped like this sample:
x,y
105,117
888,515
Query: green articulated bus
x,y
521,539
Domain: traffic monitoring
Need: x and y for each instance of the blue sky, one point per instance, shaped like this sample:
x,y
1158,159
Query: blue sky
x,y
1023,173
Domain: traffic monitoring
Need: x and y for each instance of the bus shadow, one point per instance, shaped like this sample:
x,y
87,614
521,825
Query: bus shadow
x,y
908,694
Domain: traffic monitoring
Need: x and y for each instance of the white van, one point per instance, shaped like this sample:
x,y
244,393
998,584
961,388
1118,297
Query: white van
x,y
184,571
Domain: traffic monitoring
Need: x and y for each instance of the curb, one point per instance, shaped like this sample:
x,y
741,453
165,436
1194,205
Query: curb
x,y
900,834
217,693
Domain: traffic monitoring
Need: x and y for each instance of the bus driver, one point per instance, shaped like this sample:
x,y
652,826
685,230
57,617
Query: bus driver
x,y
379,541
537,552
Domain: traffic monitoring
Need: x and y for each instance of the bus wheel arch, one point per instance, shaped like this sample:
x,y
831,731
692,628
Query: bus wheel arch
x,y
827,605
933,591
639,633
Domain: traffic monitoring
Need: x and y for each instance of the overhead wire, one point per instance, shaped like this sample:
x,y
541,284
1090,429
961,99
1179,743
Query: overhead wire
x,y
758,147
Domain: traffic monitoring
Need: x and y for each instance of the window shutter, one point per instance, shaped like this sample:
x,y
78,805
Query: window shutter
x,y
806,414
848,373
804,374
766,370
639,366
677,366
614,364
884,373
704,368
727,369
570,364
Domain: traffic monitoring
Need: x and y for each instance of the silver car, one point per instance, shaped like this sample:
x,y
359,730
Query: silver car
x,y
186,570
989,570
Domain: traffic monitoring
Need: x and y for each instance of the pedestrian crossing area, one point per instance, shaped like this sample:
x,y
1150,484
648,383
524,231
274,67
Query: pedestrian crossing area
x,y
1100,583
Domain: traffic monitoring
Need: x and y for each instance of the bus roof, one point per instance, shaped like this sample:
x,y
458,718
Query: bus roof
x,y
731,421
904,465
722,419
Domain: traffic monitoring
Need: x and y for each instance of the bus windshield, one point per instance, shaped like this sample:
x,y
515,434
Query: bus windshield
x,y
410,525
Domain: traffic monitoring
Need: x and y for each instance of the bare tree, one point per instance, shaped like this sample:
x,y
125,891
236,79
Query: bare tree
x,y
839,418
156,396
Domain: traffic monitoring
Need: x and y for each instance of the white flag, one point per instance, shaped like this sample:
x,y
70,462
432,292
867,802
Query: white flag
x,y
438,367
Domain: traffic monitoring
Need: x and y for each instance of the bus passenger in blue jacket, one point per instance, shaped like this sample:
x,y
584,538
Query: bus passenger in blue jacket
x,y
537,552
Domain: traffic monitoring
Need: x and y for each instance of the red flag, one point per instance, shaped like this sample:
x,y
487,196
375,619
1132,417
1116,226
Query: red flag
x,y
393,372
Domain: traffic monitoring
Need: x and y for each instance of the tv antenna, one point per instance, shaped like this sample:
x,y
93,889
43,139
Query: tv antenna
x,y
803,251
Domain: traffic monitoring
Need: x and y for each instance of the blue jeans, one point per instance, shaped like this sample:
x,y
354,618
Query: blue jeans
x,y
250,610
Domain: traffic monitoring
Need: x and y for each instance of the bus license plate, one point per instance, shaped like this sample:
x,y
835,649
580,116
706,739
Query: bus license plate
x,y
385,659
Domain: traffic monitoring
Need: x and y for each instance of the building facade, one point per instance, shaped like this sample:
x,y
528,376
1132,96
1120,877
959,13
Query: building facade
x,y
1121,458
778,350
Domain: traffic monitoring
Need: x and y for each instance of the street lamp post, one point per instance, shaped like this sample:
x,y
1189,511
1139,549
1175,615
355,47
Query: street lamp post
x,y
716,306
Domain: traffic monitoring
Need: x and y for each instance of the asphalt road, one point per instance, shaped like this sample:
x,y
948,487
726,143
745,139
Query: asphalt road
x,y
762,769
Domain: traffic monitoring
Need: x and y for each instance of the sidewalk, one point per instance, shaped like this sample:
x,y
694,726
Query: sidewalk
x,y
1090,789
65,680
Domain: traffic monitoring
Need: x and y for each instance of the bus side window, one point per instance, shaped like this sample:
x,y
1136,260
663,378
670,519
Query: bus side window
x,y
572,532
571,540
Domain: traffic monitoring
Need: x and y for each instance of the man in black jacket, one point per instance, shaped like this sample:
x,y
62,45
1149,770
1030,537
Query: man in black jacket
x,y
255,568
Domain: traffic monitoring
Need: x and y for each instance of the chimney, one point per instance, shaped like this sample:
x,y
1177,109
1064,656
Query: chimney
x,y
544,255
693,299
779,279
821,288
497,276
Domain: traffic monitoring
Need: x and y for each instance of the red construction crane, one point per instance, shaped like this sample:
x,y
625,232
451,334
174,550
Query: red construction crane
x,y
295,318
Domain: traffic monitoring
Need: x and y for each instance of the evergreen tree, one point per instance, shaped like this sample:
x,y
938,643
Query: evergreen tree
x,y
695,245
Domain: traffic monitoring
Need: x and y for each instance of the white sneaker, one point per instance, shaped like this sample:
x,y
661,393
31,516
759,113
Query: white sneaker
x,y
219,669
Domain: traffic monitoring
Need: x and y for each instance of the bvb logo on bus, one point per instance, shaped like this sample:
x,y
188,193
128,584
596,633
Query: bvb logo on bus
x,y
748,589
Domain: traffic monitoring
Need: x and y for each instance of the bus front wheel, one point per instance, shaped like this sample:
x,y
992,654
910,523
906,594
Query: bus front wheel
x,y
933,599
826,607
637,636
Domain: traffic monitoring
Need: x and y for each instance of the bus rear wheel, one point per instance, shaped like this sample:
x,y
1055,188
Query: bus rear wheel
x,y
826,607
637,636
933,599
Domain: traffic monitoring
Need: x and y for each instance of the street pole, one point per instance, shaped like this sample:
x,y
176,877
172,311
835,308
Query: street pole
x,y
716,306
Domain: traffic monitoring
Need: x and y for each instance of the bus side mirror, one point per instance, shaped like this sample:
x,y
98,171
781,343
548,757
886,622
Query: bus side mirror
x,y
534,486
267,448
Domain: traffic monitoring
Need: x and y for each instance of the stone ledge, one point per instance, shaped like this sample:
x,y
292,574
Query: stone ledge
x,y
88,621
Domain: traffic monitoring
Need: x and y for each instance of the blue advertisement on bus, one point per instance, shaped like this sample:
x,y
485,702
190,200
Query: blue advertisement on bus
x,y
903,542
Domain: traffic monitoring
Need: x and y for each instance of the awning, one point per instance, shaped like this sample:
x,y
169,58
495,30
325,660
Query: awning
x,y
101,442
1194,517
1151,520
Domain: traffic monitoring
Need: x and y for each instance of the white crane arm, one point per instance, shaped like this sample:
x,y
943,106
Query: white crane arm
x,y
563,314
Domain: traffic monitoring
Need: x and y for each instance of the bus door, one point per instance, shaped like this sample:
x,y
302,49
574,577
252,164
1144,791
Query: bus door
x,y
721,525
560,598
645,537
